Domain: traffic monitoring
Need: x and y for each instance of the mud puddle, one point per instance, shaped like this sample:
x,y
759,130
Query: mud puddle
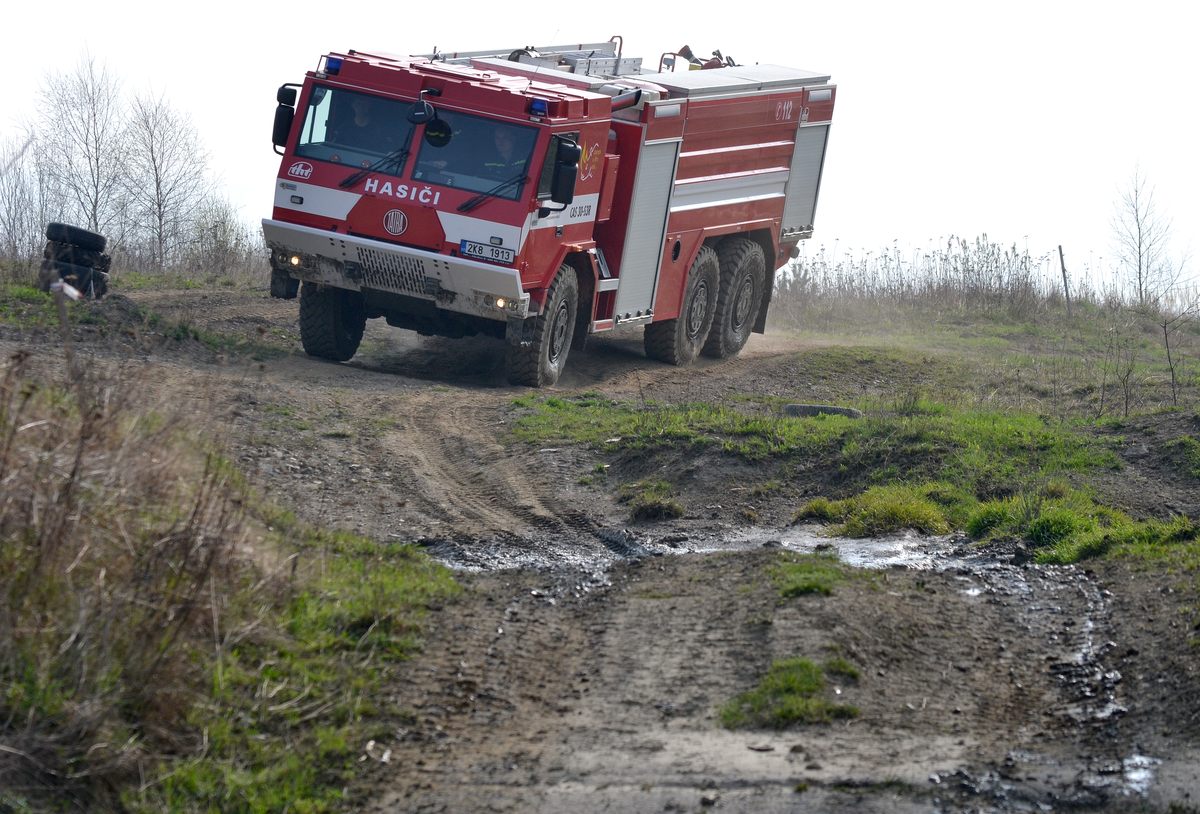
x,y
1061,607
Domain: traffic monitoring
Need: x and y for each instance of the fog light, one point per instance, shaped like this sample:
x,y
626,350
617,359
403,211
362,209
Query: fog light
x,y
501,302
295,260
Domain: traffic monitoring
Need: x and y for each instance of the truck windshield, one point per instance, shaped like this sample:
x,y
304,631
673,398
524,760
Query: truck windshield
x,y
480,155
354,129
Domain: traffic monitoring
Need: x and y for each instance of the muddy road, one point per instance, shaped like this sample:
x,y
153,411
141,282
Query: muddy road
x,y
585,665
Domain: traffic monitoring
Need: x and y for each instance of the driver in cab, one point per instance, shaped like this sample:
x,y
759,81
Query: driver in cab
x,y
504,164
362,130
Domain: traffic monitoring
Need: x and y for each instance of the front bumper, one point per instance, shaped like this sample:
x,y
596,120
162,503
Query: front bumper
x,y
357,263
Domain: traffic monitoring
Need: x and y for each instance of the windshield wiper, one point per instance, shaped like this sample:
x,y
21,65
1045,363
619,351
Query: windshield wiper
x,y
396,157
471,203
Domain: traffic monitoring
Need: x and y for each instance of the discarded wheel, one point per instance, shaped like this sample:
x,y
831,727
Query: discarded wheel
x,y
65,233
73,254
79,277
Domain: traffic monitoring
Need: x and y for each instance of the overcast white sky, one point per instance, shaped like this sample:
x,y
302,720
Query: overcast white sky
x,y
1019,119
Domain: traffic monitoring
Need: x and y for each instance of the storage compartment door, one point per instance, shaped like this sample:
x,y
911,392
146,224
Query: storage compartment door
x,y
804,180
644,236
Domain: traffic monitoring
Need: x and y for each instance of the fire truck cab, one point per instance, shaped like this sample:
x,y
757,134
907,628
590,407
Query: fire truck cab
x,y
543,194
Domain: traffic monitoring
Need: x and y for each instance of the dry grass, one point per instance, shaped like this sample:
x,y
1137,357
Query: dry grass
x,y
118,536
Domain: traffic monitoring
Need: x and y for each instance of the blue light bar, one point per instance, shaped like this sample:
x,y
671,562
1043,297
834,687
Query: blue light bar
x,y
539,107
332,65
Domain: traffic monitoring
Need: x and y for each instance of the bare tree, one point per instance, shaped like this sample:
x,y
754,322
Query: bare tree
x,y
81,142
16,198
1172,322
219,242
166,179
24,204
1142,241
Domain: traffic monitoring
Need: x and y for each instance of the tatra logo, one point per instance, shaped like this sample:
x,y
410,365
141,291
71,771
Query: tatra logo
x,y
301,169
395,222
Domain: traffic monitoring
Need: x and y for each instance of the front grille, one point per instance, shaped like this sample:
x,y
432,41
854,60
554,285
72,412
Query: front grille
x,y
390,272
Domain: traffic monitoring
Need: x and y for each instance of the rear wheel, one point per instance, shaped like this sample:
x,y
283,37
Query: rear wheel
x,y
743,272
678,341
332,321
541,362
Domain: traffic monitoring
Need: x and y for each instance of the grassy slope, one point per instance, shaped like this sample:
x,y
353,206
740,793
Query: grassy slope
x,y
999,428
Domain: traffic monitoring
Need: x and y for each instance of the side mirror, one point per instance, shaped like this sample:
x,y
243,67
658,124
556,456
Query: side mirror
x,y
566,170
421,112
284,114
283,126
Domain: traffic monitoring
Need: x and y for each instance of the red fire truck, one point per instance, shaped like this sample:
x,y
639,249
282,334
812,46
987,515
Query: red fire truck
x,y
541,195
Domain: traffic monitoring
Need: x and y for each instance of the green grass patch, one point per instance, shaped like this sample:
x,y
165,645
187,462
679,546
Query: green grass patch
x,y
24,306
790,693
886,509
650,500
982,451
1065,525
1189,447
805,574
291,705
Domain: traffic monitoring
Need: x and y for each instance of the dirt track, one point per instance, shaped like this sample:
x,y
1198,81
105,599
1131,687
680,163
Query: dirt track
x,y
583,669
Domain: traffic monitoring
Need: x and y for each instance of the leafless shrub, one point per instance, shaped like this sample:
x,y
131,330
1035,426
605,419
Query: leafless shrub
x,y
117,537
961,276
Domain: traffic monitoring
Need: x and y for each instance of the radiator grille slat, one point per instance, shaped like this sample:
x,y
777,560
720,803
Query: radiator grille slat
x,y
390,272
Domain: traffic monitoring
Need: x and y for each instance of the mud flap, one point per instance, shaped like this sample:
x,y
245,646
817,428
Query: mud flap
x,y
760,322
283,285
520,332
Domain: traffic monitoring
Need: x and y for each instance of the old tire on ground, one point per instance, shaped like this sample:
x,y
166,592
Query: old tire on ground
x,y
99,284
47,274
541,362
65,233
67,253
332,321
743,272
78,276
678,341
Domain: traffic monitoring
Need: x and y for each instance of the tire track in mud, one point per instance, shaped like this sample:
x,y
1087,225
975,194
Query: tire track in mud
x,y
463,476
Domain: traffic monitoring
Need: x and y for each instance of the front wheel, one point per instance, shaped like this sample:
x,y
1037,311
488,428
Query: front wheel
x,y
743,275
678,341
332,321
540,362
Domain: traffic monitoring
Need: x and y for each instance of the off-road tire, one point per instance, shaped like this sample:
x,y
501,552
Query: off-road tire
x,y
541,362
743,274
67,253
332,321
64,233
678,341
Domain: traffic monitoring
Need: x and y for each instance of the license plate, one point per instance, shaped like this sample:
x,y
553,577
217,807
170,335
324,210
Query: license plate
x,y
482,251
